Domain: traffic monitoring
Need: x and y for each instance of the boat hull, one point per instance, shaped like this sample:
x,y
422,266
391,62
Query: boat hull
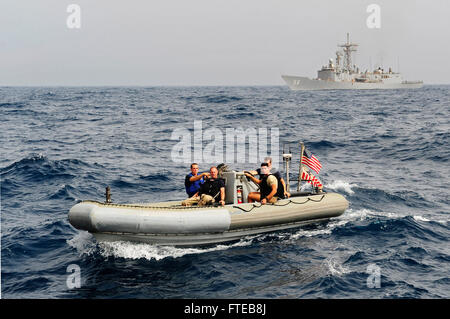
x,y
189,240
299,83
170,224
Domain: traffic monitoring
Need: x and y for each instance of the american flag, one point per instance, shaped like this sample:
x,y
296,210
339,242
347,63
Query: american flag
x,y
311,161
311,179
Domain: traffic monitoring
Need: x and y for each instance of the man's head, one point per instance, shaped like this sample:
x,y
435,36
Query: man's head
x,y
194,168
265,169
268,160
213,172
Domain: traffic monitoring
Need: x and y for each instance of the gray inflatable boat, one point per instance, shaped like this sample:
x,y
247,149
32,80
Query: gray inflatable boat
x,y
170,223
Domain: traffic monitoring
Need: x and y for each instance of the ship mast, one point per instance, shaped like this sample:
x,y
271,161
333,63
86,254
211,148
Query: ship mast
x,y
348,48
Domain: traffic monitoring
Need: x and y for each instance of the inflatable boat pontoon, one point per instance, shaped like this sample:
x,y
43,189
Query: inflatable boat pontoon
x,y
170,223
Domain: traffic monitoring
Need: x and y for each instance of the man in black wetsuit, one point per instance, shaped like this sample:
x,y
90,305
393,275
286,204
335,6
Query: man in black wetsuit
x,y
212,190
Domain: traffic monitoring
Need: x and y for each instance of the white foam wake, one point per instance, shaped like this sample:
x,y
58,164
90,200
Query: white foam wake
x,y
85,244
131,250
350,215
362,214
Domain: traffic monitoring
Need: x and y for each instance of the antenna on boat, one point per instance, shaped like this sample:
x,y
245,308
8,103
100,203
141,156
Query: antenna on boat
x,y
286,159
108,195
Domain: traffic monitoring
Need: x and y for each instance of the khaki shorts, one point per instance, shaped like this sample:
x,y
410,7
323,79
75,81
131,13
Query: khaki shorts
x,y
202,200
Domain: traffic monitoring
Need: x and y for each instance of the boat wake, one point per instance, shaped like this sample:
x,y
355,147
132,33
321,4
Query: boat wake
x,y
86,245
130,250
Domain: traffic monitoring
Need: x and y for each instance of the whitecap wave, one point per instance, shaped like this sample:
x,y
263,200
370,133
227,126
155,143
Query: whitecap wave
x,y
420,218
341,185
364,213
36,156
335,267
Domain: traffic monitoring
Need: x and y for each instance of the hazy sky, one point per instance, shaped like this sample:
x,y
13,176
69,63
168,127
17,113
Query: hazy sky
x,y
215,42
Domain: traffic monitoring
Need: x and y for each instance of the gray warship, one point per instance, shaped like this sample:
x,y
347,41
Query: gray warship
x,y
343,75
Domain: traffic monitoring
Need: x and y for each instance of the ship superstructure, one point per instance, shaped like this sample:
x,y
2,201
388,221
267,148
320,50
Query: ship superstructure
x,y
343,74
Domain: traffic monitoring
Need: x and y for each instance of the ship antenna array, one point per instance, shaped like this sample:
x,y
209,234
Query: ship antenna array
x,y
348,48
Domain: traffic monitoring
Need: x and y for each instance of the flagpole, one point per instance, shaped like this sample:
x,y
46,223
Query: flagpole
x,y
302,147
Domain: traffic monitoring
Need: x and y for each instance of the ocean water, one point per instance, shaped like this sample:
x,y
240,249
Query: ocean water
x,y
387,152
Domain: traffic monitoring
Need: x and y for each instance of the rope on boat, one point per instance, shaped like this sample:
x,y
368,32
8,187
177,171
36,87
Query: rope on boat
x,y
140,206
275,204
197,207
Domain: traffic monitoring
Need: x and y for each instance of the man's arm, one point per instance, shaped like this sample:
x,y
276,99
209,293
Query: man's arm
x,y
286,193
257,181
222,196
197,177
272,194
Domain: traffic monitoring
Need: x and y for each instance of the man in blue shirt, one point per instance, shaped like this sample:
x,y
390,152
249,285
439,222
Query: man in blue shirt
x,y
193,180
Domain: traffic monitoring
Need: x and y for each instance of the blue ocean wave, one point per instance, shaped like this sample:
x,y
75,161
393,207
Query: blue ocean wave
x,y
220,99
6,105
66,192
323,145
240,115
159,177
38,168
405,197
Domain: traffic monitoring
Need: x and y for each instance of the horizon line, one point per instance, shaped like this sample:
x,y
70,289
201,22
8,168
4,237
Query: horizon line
x,y
165,85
